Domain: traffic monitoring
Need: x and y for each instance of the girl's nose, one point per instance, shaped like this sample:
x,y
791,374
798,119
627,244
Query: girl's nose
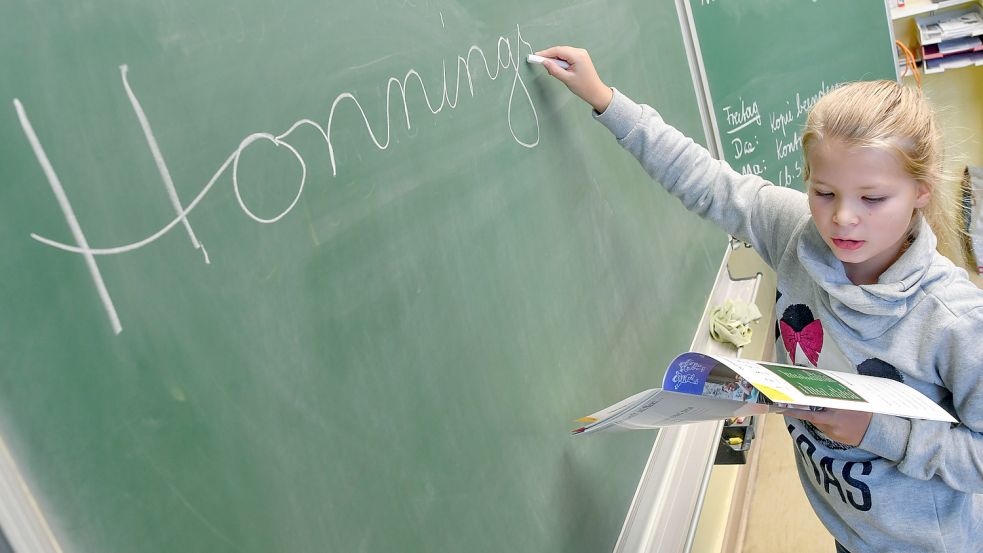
x,y
845,216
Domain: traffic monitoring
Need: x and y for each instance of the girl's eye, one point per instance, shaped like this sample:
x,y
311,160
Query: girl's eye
x,y
874,200
823,194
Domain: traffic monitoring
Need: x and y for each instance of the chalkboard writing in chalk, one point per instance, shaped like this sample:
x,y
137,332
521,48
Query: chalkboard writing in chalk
x,y
332,276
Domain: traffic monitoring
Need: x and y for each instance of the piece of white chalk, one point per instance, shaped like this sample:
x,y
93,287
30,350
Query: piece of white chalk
x,y
533,58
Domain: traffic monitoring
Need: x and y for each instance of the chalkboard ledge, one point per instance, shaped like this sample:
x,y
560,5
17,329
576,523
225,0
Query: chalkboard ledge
x,y
666,508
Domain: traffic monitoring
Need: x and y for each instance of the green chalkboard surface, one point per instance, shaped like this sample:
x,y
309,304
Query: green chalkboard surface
x,y
289,276
766,62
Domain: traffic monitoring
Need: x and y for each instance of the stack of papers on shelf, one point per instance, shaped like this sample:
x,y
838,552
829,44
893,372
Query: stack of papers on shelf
x,y
949,25
950,47
951,61
959,45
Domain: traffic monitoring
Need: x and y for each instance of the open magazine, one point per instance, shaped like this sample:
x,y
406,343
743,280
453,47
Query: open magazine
x,y
700,387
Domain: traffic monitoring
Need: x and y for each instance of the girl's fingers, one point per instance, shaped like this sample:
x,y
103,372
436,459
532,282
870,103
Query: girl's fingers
x,y
565,53
800,414
556,71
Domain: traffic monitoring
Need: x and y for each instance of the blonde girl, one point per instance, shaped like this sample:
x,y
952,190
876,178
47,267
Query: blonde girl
x,y
861,288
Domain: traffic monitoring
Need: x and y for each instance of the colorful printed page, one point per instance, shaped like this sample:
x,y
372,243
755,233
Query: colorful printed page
x,y
686,397
786,384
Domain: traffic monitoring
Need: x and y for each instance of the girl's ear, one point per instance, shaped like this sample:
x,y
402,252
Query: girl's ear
x,y
922,195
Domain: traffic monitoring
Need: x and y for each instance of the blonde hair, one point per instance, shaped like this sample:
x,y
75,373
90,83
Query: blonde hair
x,y
898,119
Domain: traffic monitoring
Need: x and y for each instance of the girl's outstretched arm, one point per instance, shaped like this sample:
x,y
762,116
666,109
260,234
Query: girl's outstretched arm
x,y
744,205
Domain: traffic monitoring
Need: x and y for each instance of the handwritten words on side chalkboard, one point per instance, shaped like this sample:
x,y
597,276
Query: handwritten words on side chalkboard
x,y
745,127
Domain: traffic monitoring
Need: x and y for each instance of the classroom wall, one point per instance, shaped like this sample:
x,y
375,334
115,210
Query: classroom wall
x,y
957,95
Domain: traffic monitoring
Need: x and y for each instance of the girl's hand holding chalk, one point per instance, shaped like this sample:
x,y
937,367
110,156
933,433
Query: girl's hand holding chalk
x,y
533,58
578,74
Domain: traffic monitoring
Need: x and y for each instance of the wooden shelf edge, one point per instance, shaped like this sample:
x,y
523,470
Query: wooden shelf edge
x,y
902,13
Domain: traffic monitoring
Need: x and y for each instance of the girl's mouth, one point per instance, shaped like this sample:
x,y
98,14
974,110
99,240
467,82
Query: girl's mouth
x,y
848,244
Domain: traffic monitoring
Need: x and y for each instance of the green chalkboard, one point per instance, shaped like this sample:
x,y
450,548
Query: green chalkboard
x,y
766,62
247,308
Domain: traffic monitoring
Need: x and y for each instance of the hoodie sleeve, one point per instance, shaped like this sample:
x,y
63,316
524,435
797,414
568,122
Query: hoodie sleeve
x,y
926,449
745,206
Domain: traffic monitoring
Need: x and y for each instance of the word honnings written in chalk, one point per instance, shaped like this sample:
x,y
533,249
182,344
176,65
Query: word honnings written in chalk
x,y
506,58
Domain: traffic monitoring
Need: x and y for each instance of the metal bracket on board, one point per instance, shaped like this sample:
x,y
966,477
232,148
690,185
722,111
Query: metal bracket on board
x,y
744,264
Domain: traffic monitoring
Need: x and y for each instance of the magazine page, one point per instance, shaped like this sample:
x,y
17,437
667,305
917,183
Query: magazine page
x,y
706,375
657,408
688,372
700,387
800,386
697,387
612,414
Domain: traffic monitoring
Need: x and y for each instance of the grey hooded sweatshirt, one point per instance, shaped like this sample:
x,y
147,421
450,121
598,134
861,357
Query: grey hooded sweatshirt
x,y
911,485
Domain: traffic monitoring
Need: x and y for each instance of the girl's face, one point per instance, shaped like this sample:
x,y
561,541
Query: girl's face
x,y
862,202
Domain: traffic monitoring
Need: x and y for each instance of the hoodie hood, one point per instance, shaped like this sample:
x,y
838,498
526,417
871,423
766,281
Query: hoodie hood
x,y
897,291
